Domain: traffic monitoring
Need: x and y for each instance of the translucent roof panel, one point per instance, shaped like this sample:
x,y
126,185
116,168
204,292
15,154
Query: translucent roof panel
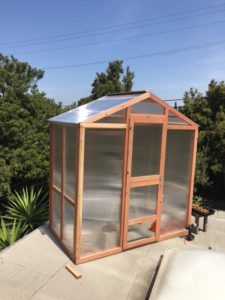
x,y
91,109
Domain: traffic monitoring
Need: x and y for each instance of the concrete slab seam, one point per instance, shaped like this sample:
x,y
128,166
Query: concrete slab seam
x,y
43,285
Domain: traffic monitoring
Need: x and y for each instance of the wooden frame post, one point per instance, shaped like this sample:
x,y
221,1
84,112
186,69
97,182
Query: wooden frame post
x,y
51,154
79,192
192,176
77,135
124,182
161,174
130,129
62,181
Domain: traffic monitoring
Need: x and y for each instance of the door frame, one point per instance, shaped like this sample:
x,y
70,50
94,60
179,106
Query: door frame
x,y
130,182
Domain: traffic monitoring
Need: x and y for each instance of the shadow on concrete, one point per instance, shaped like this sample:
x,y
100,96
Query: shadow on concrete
x,y
45,230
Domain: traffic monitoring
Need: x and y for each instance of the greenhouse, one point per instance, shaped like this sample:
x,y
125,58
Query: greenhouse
x,y
121,174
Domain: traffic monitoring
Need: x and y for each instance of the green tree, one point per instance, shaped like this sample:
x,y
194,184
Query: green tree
x,y
208,111
111,81
84,100
23,124
128,80
115,79
9,234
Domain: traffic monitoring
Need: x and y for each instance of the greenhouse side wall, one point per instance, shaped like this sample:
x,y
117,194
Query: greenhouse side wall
x,y
63,183
56,184
70,179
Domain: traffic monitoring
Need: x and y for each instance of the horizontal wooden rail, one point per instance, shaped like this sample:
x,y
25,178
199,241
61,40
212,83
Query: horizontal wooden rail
x,y
56,188
147,118
141,242
151,218
169,235
104,125
100,254
68,199
144,178
144,183
180,127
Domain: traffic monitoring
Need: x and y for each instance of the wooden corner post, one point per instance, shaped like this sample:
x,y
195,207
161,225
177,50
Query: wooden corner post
x,y
79,192
124,182
161,174
192,176
62,128
130,131
51,154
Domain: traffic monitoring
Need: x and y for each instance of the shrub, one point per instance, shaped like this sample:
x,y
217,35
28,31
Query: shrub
x,y
30,207
9,234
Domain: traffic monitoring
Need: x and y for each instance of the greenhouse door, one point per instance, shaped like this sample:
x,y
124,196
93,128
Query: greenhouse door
x,y
143,186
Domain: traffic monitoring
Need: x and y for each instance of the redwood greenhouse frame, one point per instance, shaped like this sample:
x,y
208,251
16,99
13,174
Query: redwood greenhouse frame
x,y
121,174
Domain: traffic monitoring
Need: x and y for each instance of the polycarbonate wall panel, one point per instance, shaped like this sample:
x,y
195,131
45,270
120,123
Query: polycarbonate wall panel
x,y
143,201
86,111
146,149
176,182
141,231
147,107
57,157
68,228
118,117
56,211
70,161
103,164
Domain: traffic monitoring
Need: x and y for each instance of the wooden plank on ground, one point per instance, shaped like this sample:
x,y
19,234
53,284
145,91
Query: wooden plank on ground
x,y
77,274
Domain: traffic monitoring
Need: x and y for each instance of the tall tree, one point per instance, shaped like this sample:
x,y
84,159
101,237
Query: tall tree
x,y
208,111
23,124
115,79
111,81
128,80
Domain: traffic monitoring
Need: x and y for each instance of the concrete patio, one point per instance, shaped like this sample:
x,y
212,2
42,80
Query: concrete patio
x,y
34,267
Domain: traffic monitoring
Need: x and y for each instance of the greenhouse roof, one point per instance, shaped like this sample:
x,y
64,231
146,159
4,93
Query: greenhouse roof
x,y
110,104
93,108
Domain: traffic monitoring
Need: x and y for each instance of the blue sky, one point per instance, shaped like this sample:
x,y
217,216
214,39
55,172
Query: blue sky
x,y
167,75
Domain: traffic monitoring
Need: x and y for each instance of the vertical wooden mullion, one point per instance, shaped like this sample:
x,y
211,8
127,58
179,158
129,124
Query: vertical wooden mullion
x,y
130,127
51,135
79,192
77,135
161,173
124,181
62,181
192,177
